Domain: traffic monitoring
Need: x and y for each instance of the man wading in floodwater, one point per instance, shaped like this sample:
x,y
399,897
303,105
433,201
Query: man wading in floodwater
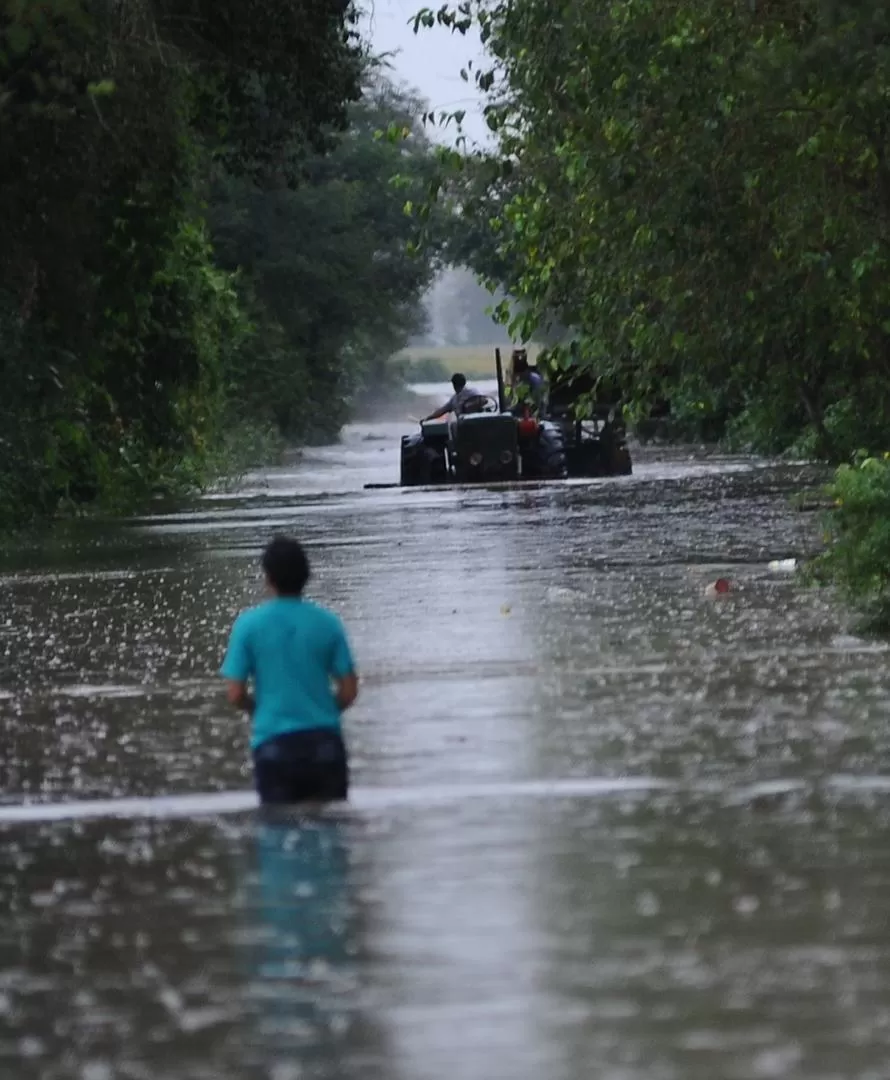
x,y
304,676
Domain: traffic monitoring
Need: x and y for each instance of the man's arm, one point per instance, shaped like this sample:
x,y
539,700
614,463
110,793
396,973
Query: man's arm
x,y
346,691
238,667
343,672
446,408
238,695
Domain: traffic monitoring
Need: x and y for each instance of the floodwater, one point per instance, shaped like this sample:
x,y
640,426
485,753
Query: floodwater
x,y
602,827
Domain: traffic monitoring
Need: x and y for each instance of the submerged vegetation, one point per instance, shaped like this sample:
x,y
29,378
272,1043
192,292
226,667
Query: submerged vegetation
x,y
203,252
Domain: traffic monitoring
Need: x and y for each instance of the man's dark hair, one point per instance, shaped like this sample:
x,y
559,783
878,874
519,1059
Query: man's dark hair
x,y
286,566
458,381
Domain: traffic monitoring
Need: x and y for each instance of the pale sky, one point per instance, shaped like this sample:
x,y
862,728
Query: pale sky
x,y
429,61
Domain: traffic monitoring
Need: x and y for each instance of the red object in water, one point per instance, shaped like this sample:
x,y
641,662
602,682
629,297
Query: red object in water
x,y
718,588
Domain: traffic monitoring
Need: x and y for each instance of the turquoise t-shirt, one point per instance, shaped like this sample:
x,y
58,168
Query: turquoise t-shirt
x,y
292,649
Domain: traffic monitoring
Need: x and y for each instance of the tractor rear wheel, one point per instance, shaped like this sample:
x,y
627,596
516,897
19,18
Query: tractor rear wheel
x,y
545,459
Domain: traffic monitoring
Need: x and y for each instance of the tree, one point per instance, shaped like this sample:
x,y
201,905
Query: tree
x,y
699,188
115,324
328,267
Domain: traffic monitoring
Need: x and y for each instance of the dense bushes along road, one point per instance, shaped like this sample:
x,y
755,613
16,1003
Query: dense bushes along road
x,y
202,248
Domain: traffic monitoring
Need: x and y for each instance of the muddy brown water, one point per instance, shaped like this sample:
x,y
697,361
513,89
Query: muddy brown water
x,y
602,826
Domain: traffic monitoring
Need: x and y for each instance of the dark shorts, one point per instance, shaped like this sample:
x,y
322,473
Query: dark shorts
x,y
302,766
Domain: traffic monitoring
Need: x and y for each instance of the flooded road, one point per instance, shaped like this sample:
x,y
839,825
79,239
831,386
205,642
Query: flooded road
x,y
602,826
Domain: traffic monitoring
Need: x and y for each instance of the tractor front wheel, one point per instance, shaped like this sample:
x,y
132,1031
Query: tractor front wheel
x,y
420,463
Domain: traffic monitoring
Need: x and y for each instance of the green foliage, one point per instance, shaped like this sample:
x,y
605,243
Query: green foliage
x,y
140,428
204,251
700,191
272,78
327,276
858,535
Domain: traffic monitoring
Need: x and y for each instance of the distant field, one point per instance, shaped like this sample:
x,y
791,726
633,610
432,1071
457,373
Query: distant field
x,y
432,362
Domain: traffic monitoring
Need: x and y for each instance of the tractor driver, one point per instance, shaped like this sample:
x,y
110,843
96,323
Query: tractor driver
x,y
458,400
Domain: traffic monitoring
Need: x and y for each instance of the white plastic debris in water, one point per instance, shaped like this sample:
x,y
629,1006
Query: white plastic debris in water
x,y
783,566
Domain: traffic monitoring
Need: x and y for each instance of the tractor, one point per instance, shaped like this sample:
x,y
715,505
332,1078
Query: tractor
x,y
486,443
549,439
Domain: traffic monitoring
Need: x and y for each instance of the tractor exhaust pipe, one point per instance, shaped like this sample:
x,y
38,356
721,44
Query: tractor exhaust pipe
x,y
502,397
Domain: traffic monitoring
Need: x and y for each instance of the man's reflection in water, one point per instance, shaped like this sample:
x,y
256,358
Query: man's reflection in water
x,y
303,980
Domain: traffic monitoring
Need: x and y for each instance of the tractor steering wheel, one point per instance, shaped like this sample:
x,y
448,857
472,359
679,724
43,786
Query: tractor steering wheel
x,y
481,403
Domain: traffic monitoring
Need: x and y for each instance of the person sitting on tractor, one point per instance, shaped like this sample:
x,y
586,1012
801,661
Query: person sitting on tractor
x,y
457,403
525,378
